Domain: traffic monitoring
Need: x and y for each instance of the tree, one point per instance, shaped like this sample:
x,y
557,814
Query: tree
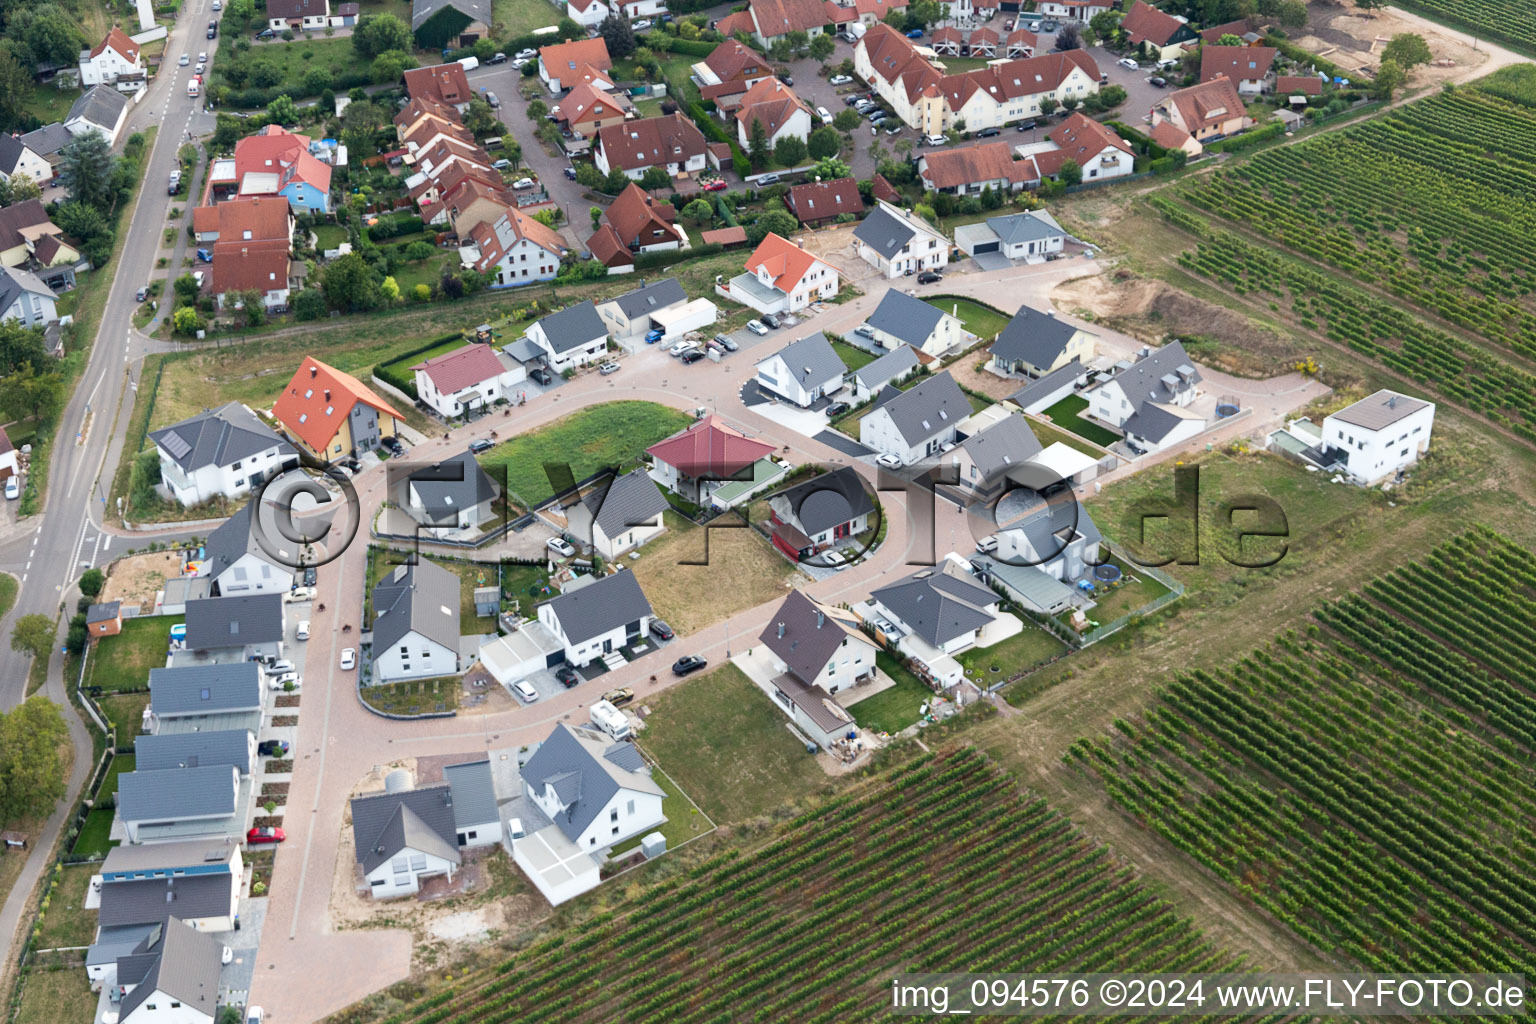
x,y
1389,77
1071,173
655,178
31,770
823,142
1069,38
618,36
845,121
186,320
699,211
15,90
283,110
388,66
350,283
1292,14
757,148
831,169
790,151
512,150
376,33
822,47
1407,50
480,119
33,635
86,165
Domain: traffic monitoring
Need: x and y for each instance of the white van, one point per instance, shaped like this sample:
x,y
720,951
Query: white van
x,y
611,720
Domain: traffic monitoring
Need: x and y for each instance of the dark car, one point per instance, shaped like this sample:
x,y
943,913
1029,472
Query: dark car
x,y
929,277
311,576
691,663
542,376
661,630
480,444
691,356
769,320
987,133
273,748
836,409
568,676
1157,81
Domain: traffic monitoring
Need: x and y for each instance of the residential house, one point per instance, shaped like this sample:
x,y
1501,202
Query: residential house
x,y
619,515
171,977
1380,436
1036,343
446,85
802,372
415,623
197,801
598,793
223,453
824,511
331,413
775,106
980,465
1208,111
562,65
450,24
448,496
203,696
238,561
971,170
298,15
816,652
1157,33
781,277
100,108
104,619
468,379
401,838
671,142
628,316
936,611
695,461
116,56
589,107
515,249
597,617
17,159
571,337
1031,236
895,242
587,13
902,319
890,369
30,241
1252,68
728,72
249,622
25,299
1096,149
914,424
1149,400
818,202
276,162
641,224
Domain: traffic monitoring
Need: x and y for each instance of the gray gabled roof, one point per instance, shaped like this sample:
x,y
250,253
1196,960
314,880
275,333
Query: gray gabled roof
x,y
205,689
15,281
143,900
895,363
48,139
1017,228
585,772
451,486
186,967
883,232
1149,378
216,622
1007,444
172,794
219,437
629,500
194,750
805,636
905,317
475,10
648,298
811,360
824,501
423,597
607,603
573,326
474,793
99,105
1035,337
938,604
383,824
928,408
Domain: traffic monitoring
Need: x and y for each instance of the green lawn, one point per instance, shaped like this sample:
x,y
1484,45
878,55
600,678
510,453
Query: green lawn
x,y
125,713
852,356
470,574
893,709
1025,650
336,55
49,997
610,435
123,662
66,923
1067,415
726,745
978,319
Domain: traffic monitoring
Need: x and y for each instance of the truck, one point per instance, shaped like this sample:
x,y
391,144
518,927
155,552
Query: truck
x,y
611,720
195,86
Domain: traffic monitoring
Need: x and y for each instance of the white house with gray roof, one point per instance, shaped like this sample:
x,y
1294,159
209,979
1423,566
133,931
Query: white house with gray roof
x,y
896,242
26,299
448,496
249,623
571,337
1380,435
890,369
100,108
172,977
238,564
802,372
400,838
903,319
1036,344
416,623
628,316
619,515
222,453
201,799
597,616
914,424
1149,400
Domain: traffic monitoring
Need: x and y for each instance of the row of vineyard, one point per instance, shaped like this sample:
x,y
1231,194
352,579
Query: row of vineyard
x,y
1369,783
1460,370
1436,202
1512,22
940,865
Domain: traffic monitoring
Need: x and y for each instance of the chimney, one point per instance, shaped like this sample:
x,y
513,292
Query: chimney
x,y
781,630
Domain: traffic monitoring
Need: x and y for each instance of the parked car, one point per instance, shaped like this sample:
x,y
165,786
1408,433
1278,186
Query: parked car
x,y
1157,81
542,376
687,664
525,691
608,367
660,630
499,58
267,834
756,327
348,658
839,80
568,676
929,277
727,343
560,546
681,347
481,444
691,356
767,179
523,183
272,748
837,409
641,25
302,633
618,698
771,320
715,185
987,133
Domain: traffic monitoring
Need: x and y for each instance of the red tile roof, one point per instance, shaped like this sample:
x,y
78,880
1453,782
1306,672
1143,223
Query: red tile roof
x,y
1145,23
711,448
1239,63
785,262
443,83
650,142
823,199
638,219
316,388
118,40
462,368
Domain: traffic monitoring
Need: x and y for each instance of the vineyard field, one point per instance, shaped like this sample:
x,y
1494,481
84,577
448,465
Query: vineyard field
x,y
1368,782
1512,22
938,865
1435,203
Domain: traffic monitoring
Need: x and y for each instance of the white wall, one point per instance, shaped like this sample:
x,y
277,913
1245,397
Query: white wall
x,y
422,659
